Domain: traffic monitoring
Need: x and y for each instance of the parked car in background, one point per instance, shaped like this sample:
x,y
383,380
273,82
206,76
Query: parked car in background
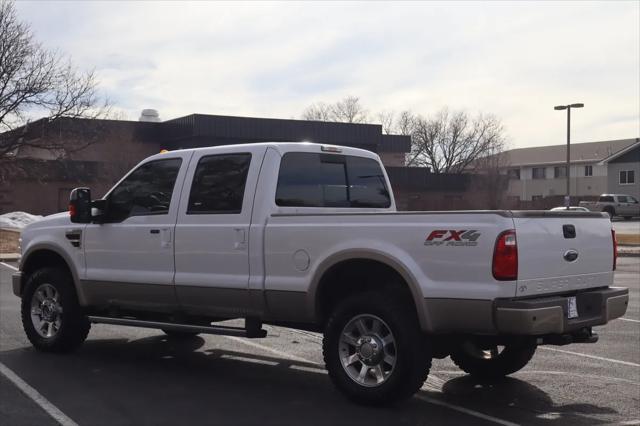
x,y
614,205
571,209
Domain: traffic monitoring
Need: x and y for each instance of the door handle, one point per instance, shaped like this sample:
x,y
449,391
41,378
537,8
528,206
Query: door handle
x,y
241,238
154,231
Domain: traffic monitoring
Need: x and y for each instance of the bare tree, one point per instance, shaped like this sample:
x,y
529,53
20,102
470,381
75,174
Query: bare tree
x,y
452,143
386,119
347,110
318,112
36,81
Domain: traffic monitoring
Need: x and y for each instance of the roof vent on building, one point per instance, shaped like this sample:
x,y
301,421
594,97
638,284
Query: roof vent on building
x,y
149,115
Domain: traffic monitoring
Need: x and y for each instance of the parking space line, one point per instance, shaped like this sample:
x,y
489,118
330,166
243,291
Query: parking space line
x,y
465,411
628,319
422,397
9,266
36,397
615,361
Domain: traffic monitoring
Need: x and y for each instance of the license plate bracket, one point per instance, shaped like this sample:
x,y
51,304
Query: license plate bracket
x,y
572,307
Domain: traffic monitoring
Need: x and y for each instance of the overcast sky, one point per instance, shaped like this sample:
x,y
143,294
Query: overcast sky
x,y
512,59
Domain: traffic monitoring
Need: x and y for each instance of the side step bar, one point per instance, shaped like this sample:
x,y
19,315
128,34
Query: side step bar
x,y
252,330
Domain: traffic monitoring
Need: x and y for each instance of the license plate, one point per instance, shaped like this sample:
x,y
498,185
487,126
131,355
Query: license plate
x,y
572,308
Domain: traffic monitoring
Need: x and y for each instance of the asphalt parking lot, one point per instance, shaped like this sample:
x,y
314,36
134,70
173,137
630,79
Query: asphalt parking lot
x,y
128,376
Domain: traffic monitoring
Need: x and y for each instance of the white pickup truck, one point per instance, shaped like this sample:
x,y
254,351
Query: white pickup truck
x,y
614,205
307,236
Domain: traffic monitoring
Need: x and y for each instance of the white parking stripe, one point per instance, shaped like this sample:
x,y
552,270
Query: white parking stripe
x,y
628,319
43,402
615,361
9,266
466,411
422,397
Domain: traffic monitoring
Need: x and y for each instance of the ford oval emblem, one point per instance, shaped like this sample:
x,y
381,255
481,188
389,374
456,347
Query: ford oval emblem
x,y
570,255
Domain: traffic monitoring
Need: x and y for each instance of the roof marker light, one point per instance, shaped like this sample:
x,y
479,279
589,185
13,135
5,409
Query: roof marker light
x,y
328,148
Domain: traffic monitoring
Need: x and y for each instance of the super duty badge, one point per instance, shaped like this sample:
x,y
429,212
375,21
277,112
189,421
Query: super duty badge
x,y
444,237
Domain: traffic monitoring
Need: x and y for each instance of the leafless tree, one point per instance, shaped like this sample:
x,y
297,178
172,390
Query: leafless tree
x,y
35,81
452,143
318,112
386,119
347,110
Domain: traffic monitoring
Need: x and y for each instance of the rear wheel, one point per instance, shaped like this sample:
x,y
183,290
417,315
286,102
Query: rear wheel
x,y
491,361
374,349
51,315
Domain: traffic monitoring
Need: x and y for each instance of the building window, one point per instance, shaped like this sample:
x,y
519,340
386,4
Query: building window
x,y
539,173
560,172
536,197
514,174
588,170
627,177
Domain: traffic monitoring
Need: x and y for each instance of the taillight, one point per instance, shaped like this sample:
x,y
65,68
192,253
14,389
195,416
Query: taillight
x,y
505,257
615,248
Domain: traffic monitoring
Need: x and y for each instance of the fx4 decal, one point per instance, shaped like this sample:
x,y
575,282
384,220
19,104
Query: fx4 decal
x,y
444,237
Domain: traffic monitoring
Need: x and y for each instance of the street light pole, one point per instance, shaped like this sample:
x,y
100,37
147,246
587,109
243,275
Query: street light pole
x,y
567,197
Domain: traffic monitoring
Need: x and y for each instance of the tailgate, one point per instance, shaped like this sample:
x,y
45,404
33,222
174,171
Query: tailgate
x,y
562,252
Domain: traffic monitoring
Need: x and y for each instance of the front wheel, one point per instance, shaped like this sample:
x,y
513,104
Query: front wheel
x,y
489,361
51,315
374,349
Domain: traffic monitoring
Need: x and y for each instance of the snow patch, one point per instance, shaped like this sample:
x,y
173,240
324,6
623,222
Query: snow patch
x,y
17,220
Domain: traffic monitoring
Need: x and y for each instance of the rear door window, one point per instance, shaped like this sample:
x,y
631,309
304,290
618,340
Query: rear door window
x,y
330,180
218,184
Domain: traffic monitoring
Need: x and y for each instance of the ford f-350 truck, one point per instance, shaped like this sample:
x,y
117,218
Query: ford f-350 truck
x,y
307,236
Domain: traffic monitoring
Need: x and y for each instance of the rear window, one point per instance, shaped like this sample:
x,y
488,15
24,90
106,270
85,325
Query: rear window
x,y
330,180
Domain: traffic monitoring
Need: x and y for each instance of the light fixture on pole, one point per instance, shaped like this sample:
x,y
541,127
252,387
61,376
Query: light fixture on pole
x,y
567,197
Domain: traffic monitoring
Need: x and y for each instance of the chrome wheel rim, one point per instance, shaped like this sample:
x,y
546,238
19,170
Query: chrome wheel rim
x,y
368,350
46,311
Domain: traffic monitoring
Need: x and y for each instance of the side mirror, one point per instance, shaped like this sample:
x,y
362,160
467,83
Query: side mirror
x,y
98,211
80,205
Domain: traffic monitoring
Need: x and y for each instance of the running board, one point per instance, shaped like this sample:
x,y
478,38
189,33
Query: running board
x,y
250,331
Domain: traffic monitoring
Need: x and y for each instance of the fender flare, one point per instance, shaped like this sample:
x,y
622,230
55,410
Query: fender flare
x,y
38,247
368,254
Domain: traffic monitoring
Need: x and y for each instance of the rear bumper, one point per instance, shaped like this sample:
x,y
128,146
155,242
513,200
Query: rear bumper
x,y
16,280
548,315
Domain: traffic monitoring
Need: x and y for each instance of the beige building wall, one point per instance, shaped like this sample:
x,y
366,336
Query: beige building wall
x,y
526,187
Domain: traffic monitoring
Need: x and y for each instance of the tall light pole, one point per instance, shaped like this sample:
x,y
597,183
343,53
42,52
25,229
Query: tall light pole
x,y
567,197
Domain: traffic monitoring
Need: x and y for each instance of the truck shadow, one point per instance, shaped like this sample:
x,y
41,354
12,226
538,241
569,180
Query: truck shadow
x,y
157,380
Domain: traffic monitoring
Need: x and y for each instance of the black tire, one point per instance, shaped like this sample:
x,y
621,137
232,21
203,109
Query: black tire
x,y
176,334
512,358
410,348
73,325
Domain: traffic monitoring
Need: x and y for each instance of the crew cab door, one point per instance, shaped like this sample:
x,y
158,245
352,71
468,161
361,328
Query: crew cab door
x,y
129,257
212,233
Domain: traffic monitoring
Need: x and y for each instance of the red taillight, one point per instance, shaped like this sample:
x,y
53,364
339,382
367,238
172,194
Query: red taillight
x,y
505,257
72,210
615,249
